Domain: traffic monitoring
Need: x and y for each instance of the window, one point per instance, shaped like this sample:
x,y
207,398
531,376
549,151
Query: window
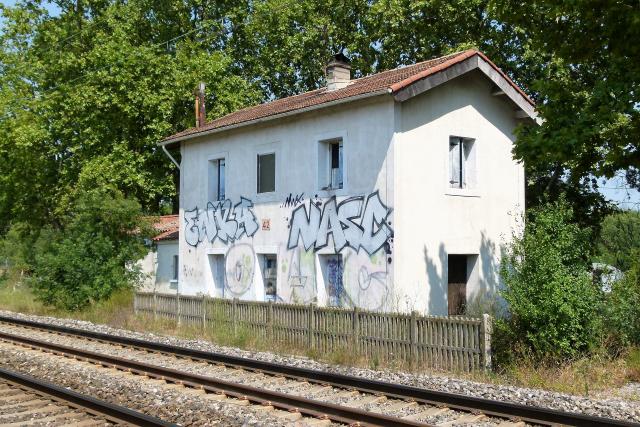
x,y
269,264
461,162
331,167
266,173
216,263
176,268
217,180
332,268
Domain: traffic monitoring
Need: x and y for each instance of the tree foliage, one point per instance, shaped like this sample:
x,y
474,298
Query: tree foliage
x,y
622,308
619,243
589,93
86,94
91,255
552,300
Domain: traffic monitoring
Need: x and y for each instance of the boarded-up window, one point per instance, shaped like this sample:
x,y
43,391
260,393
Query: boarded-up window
x,y
266,173
332,269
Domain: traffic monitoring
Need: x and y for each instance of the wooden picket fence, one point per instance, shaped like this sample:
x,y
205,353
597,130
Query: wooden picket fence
x,y
454,343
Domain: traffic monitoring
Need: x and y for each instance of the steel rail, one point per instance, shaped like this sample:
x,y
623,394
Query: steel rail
x,y
288,402
109,411
508,410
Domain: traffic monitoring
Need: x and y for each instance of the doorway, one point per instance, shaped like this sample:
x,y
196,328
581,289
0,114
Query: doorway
x,y
457,277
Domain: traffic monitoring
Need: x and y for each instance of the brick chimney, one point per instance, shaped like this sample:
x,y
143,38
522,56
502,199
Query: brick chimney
x,y
338,72
200,110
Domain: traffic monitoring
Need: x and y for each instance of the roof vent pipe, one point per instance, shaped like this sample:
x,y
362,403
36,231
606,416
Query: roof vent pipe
x,y
338,72
200,110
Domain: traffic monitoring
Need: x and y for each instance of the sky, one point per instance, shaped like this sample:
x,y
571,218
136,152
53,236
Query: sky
x,y
614,189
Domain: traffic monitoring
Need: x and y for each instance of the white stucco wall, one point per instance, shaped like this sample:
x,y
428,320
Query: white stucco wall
x,y
366,128
157,266
434,220
402,216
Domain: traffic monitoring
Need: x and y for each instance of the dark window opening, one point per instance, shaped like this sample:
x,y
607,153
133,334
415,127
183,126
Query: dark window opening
x,y
266,173
221,183
175,267
336,164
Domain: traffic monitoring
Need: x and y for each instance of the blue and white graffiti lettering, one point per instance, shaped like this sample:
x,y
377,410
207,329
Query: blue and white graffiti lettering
x,y
348,222
220,220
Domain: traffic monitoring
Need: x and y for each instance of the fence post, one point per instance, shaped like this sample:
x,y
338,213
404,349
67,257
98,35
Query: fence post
x,y
485,341
178,314
234,316
155,305
270,320
413,338
204,311
355,326
310,325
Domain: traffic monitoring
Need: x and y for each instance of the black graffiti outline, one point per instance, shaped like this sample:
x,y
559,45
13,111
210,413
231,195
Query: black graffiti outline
x,y
381,226
223,215
242,225
307,216
293,200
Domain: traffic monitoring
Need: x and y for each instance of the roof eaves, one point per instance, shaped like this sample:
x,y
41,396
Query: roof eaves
x,y
210,131
432,70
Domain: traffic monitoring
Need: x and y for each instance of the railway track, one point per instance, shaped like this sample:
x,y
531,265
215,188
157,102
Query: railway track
x,y
26,400
328,396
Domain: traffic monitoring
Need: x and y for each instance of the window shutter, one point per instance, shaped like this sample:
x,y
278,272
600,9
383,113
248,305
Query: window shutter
x,y
454,163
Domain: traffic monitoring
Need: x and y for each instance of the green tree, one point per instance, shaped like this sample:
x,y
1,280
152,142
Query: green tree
x,y
94,252
88,94
589,90
619,243
552,301
622,309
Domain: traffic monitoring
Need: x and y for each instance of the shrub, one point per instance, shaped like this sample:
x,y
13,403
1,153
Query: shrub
x,y
622,308
92,254
552,301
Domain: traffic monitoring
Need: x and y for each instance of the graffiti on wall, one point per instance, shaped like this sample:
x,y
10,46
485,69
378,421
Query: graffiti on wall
x,y
220,220
301,277
239,268
292,200
356,222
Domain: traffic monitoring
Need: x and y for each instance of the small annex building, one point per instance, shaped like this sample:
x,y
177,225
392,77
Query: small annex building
x,y
390,192
161,265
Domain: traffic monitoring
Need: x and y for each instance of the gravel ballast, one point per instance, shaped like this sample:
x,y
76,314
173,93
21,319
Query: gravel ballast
x,y
612,407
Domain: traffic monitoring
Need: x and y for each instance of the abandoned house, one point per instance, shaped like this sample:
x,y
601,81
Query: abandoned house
x,y
389,192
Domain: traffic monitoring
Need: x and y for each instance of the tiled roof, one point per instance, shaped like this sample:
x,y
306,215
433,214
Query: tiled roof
x,y
387,81
167,227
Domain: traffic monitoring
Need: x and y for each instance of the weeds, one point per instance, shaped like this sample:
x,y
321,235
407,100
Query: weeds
x,y
582,377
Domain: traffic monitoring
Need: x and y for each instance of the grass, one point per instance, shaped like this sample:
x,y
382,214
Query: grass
x,y
581,377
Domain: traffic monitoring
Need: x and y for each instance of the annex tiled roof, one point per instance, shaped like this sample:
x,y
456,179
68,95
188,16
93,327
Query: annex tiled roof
x,y
390,81
167,227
